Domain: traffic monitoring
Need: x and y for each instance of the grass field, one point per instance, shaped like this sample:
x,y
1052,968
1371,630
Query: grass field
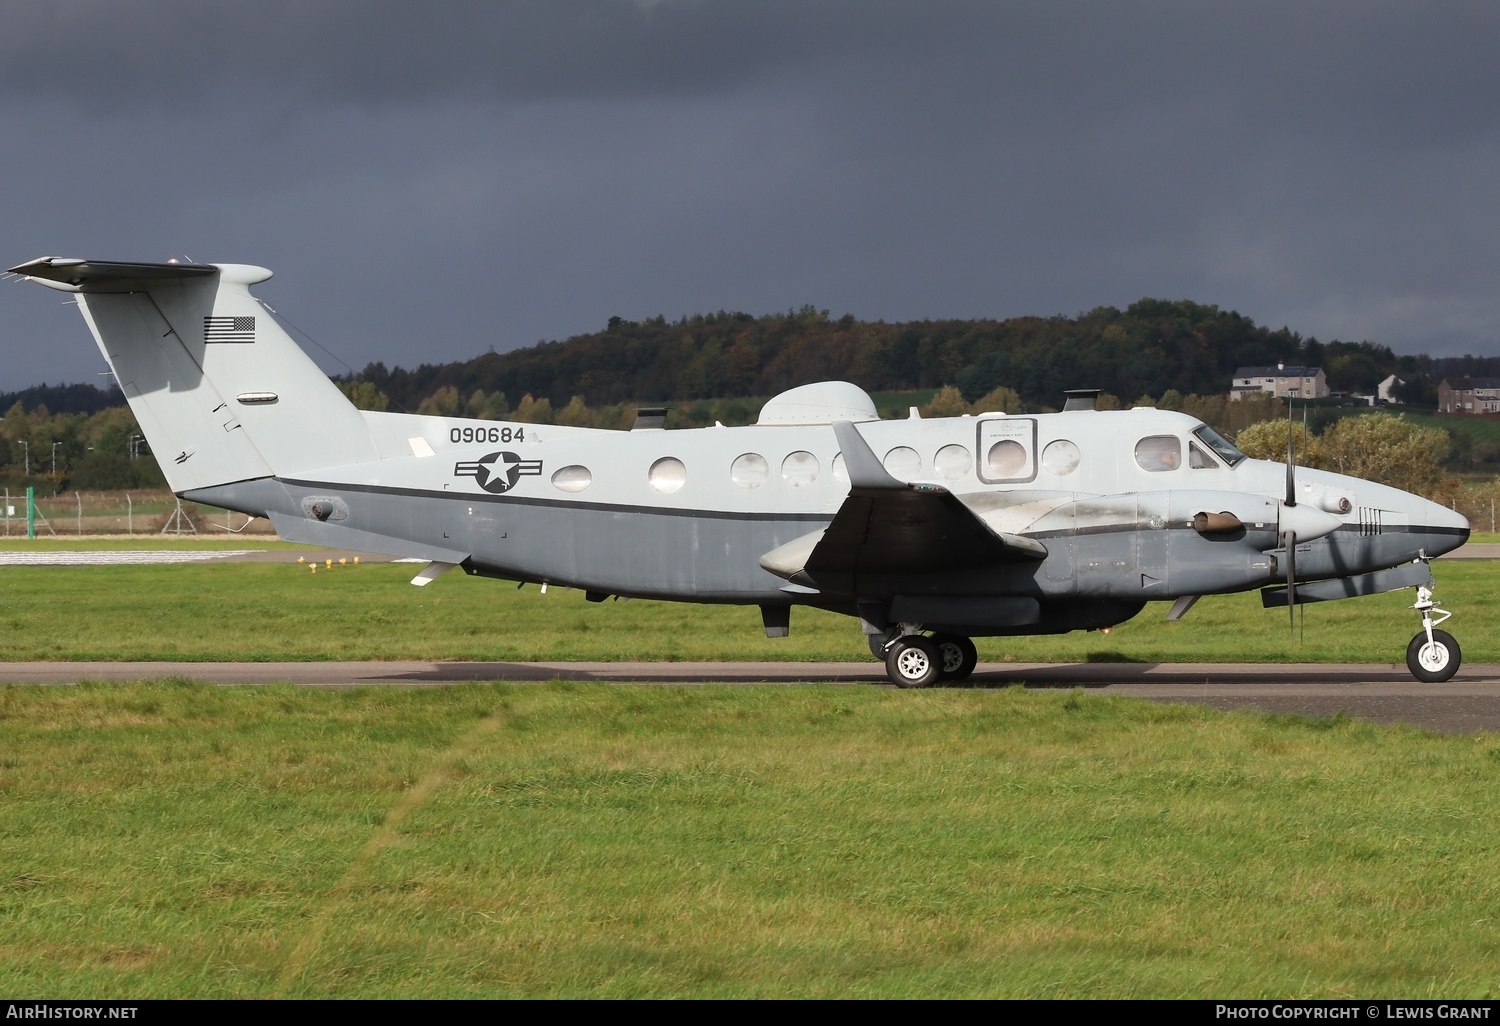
x,y
176,840
267,612
170,839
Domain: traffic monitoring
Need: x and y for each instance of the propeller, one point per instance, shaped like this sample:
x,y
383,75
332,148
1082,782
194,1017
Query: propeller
x,y
1291,533
1298,522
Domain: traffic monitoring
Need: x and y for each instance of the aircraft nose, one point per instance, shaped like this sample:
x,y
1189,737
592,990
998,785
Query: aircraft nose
x,y
1447,529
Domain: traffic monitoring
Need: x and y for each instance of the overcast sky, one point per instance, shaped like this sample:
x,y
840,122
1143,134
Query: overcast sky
x,y
430,180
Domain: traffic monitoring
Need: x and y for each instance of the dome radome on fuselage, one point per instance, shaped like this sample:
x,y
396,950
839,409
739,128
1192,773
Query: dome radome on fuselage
x,y
823,402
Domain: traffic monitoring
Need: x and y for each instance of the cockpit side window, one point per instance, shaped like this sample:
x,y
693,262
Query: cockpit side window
x,y
1215,441
1198,459
1158,453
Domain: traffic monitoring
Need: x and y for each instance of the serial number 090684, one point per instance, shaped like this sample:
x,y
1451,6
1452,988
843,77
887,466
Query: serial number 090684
x,y
494,434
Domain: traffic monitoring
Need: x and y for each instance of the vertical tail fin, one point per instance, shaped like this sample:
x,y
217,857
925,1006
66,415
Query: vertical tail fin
x,y
221,392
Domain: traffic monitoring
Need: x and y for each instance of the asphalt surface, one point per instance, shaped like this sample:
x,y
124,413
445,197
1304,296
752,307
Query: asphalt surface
x,y
1381,693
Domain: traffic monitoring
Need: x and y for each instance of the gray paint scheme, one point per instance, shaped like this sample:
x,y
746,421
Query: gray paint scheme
x,y
1044,523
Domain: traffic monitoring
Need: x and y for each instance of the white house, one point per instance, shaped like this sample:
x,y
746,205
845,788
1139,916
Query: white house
x,y
1282,380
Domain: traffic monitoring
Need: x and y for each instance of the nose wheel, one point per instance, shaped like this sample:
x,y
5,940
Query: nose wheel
x,y
1433,655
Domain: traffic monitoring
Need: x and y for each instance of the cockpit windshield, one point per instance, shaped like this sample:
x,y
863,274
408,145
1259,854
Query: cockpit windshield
x,y
1219,444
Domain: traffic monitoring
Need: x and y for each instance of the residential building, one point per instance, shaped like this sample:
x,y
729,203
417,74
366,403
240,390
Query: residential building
x,y
1282,380
1469,395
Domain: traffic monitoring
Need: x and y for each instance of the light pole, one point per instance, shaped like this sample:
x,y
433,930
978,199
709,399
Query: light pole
x,y
26,452
54,458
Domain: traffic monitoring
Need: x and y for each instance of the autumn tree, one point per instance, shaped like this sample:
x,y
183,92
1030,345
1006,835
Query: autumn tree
x,y
533,411
365,395
576,413
1389,449
998,400
1267,441
946,402
445,402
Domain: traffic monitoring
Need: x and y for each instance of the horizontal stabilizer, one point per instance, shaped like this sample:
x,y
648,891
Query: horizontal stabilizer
x,y
431,572
74,275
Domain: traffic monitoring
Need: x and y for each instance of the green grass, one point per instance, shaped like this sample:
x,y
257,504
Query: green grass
x,y
277,611
895,405
1481,429
154,542
174,840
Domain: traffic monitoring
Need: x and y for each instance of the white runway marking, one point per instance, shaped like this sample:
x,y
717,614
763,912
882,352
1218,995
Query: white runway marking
x,y
117,557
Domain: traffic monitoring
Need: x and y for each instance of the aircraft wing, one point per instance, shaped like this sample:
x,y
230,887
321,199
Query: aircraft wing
x,y
887,526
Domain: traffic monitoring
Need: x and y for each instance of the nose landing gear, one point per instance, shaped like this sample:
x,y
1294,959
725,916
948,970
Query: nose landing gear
x,y
1433,655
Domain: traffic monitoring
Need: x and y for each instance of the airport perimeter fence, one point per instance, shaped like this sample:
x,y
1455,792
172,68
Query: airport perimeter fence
x,y
148,512
1480,505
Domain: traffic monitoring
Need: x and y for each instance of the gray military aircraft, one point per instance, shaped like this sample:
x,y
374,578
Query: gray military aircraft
x,y
929,531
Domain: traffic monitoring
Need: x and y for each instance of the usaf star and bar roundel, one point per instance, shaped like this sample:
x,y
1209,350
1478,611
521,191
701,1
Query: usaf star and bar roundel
x,y
499,471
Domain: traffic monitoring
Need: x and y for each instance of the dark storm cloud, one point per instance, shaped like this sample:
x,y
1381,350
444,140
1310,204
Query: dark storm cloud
x,y
1354,67
119,52
428,180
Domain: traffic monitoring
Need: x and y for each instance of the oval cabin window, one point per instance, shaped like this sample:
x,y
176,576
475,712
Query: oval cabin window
x,y
667,475
799,468
903,463
1006,458
1060,457
840,470
749,470
572,479
952,462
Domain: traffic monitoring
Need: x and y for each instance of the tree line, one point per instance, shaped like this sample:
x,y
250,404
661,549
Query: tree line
x,y
1152,347
720,368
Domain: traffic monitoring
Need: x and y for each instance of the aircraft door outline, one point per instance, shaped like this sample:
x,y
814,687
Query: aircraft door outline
x,y
1005,452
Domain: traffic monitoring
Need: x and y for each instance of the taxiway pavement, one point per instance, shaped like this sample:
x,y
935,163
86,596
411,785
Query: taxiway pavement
x,y
1382,693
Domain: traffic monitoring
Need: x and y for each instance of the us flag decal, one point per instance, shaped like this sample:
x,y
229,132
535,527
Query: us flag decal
x,y
229,329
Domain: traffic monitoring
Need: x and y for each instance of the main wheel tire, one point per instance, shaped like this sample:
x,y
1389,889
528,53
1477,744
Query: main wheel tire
x,y
958,655
1435,661
913,662
877,646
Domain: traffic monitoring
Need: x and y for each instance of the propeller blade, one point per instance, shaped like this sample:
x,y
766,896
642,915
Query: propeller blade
x,y
1291,463
1291,566
1291,579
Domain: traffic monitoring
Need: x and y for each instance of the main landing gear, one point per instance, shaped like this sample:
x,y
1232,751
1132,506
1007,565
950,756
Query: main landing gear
x,y
1433,655
915,660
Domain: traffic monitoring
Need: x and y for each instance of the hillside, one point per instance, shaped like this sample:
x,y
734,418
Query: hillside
x,y
722,367
1148,349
